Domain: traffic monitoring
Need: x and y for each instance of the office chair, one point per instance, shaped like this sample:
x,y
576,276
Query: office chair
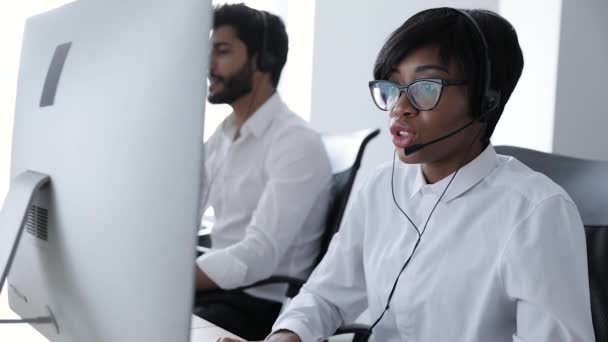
x,y
586,181
345,153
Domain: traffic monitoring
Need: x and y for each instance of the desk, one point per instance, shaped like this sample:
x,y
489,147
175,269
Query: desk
x,y
203,331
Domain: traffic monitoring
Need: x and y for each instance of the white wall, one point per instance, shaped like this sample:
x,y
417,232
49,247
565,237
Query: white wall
x,y
581,112
348,36
528,117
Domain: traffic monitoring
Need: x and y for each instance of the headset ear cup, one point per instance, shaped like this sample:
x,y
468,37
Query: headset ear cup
x,y
489,105
493,100
269,62
265,61
261,62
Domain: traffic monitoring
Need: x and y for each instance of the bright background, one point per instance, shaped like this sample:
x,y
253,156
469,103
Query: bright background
x,y
558,105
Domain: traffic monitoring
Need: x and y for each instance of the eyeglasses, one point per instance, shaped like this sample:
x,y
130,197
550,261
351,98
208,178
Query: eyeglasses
x,y
423,94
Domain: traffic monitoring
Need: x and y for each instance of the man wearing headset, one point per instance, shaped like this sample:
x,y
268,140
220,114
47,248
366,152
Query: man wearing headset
x,y
455,242
268,176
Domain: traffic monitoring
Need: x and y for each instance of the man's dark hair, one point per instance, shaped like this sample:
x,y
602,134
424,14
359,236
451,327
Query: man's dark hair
x,y
458,41
258,31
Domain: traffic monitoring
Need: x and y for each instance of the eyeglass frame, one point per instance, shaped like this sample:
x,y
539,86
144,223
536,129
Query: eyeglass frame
x,y
405,89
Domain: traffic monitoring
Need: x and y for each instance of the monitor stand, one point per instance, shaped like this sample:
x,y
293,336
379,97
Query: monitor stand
x,y
12,221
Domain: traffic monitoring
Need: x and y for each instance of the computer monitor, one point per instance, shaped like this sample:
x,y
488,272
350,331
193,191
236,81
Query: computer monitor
x,y
109,127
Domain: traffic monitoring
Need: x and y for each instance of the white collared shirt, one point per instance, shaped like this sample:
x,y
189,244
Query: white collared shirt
x,y
503,259
270,191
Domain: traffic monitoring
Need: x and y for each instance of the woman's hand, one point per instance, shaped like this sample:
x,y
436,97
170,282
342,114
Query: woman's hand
x,y
279,336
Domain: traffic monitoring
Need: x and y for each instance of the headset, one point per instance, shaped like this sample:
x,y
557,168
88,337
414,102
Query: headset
x,y
489,98
266,60
489,102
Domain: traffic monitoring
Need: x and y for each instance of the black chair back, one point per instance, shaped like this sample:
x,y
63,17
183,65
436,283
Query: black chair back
x,y
586,181
345,152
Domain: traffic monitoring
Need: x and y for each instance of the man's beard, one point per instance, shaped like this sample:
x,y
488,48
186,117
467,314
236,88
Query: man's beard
x,y
235,86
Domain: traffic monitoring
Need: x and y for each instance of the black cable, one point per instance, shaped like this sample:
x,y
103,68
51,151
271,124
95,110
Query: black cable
x,y
420,234
395,200
390,296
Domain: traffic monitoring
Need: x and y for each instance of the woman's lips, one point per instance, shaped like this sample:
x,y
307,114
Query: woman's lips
x,y
402,136
403,141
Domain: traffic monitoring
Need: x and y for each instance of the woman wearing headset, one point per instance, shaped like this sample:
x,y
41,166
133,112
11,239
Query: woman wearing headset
x,y
451,242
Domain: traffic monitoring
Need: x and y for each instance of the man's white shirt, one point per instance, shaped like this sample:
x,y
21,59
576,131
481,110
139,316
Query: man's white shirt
x,y
503,259
270,190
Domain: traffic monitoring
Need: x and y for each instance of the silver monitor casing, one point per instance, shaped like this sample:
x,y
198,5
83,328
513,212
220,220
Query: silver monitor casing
x,y
122,144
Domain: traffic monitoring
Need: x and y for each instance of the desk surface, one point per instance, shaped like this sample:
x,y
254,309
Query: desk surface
x,y
203,331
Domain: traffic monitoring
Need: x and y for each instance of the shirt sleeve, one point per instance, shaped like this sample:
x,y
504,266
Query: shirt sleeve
x,y
299,176
544,270
335,292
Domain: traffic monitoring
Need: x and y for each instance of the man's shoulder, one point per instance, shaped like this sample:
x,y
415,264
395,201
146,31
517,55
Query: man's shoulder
x,y
289,137
289,129
287,120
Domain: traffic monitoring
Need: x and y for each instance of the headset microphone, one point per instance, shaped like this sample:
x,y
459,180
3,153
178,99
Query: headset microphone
x,y
490,101
414,148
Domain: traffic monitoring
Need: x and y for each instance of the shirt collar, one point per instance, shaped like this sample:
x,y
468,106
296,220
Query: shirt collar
x,y
259,120
467,177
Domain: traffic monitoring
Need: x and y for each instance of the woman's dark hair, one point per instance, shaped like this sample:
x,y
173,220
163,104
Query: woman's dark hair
x,y
457,40
263,34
